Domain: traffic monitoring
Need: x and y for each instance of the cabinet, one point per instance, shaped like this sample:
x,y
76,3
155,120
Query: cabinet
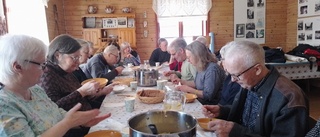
x,y
128,35
93,36
103,28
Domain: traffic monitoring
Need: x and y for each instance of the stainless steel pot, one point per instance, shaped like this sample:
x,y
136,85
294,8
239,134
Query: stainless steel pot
x,y
147,77
163,124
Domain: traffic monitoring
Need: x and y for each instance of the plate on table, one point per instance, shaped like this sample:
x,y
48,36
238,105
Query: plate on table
x,y
104,133
119,88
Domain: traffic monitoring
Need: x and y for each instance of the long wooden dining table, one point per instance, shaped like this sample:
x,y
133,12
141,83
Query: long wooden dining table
x,y
114,104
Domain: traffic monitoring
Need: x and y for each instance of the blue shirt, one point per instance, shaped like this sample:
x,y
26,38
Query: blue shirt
x,y
210,81
251,110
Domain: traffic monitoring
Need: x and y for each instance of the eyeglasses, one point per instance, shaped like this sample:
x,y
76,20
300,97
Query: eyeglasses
x,y
114,55
237,77
42,65
75,59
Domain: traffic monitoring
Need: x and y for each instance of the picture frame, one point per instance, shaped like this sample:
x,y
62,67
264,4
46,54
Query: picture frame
x,y
122,22
131,23
109,23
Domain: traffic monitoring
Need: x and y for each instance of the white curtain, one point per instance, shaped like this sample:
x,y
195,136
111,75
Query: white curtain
x,y
180,8
45,3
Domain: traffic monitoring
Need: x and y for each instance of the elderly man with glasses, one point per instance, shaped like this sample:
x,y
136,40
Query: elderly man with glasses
x,y
268,103
177,51
102,65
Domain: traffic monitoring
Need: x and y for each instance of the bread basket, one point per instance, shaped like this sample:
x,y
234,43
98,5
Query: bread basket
x,y
151,96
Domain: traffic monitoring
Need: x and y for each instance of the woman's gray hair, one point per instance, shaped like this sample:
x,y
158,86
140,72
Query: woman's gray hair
x,y
64,44
162,40
201,53
82,42
124,45
18,48
248,52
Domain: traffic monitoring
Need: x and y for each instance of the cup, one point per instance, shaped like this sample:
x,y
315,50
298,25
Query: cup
x,y
129,103
134,85
161,84
157,64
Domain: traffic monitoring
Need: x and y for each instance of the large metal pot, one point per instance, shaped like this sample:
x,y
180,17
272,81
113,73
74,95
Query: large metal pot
x,y
163,124
147,77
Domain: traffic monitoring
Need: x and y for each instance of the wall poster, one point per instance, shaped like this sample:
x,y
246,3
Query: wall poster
x,y
308,8
308,31
249,20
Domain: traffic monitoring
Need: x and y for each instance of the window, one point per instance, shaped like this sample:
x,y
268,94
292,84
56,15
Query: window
x,y
186,27
27,17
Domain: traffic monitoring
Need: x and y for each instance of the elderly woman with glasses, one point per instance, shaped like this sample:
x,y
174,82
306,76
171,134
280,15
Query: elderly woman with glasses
x,y
84,56
128,55
208,82
26,110
60,83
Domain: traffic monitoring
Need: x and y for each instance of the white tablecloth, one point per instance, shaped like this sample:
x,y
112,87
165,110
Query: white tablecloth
x,y
114,104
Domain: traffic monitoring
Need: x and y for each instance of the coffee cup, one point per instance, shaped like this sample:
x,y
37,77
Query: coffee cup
x,y
134,85
129,103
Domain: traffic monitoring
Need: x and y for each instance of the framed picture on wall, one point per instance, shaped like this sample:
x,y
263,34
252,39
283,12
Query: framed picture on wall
x,y
122,22
130,23
109,23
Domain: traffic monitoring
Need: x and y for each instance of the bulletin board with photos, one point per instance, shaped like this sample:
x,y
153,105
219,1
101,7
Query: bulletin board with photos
x,y
308,22
249,20
308,8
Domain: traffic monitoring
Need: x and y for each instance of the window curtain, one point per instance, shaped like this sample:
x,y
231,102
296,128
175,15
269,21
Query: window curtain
x,y
181,8
3,22
45,3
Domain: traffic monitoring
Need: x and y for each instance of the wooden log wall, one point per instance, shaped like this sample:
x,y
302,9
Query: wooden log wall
x,y
280,21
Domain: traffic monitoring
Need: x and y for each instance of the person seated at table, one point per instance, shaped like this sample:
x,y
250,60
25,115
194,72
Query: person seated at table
x,y
209,78
160,54
177,51
84,55
174,64
269,104
203,40
129,55
230,89
92,50
61,85
26,110
102,65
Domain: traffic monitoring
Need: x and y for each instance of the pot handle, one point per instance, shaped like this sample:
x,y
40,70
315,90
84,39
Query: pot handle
x,y
153,129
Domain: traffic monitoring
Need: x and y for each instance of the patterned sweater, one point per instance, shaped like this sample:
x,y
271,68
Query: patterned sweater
x,y
61,87
27,118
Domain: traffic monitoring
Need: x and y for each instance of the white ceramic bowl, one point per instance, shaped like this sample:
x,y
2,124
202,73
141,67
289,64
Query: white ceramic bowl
x,y
119,88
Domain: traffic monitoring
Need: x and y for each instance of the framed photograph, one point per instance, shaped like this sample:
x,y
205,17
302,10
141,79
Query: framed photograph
x,y
131,23
109,23
122,22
